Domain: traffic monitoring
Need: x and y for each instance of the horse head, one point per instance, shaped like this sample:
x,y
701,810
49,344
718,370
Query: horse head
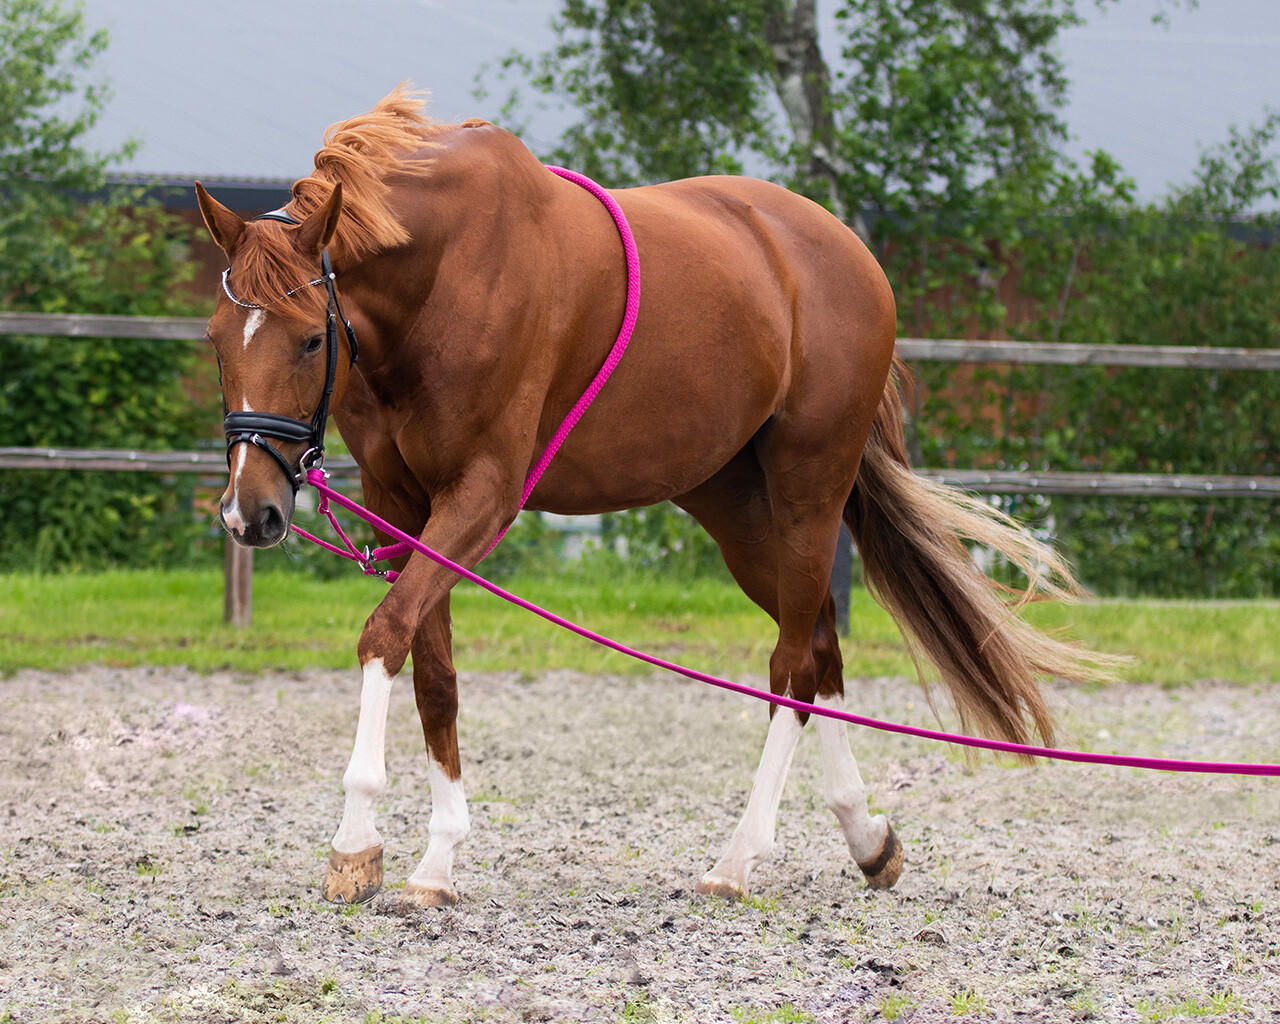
x,y
276,341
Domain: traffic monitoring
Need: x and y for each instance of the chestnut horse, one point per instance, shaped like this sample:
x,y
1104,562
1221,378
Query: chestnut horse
x,y
756,395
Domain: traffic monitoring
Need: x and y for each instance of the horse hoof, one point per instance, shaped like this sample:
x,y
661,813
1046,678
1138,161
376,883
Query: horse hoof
x,y
428,896
712,886
353,877
883,869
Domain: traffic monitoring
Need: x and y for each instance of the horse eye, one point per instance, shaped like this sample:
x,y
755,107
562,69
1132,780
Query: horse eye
x,y
313,343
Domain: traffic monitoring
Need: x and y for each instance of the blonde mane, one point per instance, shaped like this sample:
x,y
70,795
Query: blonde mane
x,y
360,153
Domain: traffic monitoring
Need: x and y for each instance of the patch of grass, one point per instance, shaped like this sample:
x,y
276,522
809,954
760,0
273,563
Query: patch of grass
x,y
893,1006
764,904
639,1009
967,1002
174,617
1217,1004
1175,643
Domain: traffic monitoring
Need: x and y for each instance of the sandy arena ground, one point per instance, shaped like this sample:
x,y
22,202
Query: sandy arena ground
x,y
163,835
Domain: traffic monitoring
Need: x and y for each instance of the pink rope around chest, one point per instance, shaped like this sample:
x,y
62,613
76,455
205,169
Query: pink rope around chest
x,y
630,312
366,558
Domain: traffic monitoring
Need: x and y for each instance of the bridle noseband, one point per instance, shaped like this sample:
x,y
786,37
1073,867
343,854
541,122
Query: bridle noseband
x,y
255,427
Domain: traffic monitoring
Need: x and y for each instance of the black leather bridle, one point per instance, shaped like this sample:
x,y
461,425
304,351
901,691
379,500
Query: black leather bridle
x,y
255,427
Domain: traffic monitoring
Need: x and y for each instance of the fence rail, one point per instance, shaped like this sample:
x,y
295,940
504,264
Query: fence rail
x,y
239,563
981,481
1146,485
125,460
1063,354
186,328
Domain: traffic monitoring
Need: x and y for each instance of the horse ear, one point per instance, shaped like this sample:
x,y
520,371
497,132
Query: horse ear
x,y
225,226
316,231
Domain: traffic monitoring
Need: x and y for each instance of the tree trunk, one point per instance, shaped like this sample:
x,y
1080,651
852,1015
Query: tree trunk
x,y
803,84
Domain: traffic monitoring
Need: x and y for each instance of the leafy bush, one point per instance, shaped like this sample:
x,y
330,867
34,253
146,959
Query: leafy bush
x,y
69,244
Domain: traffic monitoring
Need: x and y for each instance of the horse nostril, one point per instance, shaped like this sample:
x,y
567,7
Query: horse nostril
x,y
271,523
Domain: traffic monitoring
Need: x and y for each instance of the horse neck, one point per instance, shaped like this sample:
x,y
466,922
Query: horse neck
x,y
475,232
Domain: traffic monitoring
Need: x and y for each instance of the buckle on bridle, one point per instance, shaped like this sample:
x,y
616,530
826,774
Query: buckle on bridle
x,y
312,458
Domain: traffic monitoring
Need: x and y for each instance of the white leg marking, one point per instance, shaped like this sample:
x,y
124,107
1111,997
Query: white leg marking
x,y
366,774
843,788
753,838
449,826
231,515
251,324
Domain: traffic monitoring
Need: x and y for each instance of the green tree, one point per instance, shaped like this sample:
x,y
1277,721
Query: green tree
x,y
666,89
70,243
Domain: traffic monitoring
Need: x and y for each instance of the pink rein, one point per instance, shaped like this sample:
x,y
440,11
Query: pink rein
x,y
405,543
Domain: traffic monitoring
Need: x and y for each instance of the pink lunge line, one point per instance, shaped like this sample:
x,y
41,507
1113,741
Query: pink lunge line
x,y
405,543
316,478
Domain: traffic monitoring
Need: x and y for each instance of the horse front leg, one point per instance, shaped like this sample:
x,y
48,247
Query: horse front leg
x,y
435,687
463,520
355,858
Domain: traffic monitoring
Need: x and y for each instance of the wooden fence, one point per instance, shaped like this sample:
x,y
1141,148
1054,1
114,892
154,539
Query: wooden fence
x,y
239,560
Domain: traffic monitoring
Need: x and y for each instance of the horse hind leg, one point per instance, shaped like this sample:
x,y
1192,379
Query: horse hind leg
x,y
734,507
871,840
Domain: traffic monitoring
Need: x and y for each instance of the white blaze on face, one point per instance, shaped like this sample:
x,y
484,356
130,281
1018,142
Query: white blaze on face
x,y
251,324
231,513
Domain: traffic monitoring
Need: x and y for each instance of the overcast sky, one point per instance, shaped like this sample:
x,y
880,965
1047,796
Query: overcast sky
x,y
245,88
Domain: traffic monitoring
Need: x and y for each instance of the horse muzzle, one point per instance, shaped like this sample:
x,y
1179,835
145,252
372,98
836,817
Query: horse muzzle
x,y
262,523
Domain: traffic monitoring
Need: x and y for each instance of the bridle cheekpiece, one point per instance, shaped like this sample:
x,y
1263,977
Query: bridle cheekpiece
x,y
255,427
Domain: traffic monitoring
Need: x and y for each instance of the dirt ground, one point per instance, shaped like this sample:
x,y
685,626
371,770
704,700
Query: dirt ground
x,y
163,835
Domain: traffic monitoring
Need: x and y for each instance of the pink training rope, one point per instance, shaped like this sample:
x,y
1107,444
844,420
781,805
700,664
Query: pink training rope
x,y
629,315
315,477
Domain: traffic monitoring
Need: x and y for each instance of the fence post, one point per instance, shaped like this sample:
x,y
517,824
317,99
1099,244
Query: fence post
x,y
842,579
237,584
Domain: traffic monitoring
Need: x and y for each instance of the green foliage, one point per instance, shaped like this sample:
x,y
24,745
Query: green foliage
x,y
942,124
661,538
667,88
69,244
58,392
1196,269
949,121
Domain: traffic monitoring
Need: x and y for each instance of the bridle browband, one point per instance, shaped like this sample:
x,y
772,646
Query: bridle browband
x,y
255,427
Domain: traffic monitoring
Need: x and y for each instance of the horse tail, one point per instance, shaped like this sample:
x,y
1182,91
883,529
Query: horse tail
x,y
910,532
